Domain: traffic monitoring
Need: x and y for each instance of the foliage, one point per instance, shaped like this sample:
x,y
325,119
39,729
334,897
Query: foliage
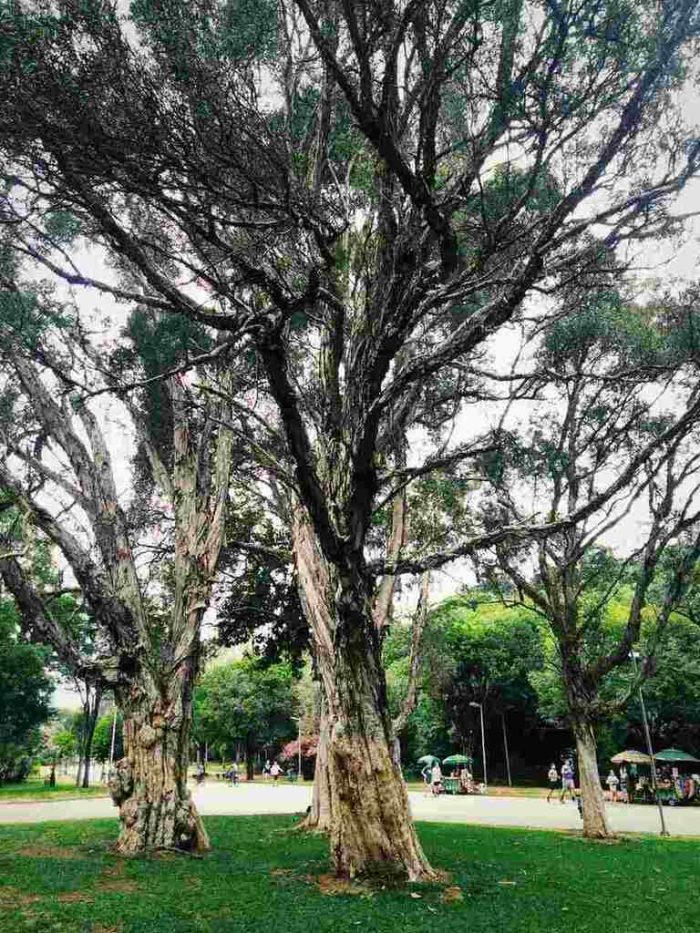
x,y
259,604
25,695
474,650
102,739
244,701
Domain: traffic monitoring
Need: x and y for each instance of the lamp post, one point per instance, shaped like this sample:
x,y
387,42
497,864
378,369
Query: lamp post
x,y
480,707
298,719
114,736
634,655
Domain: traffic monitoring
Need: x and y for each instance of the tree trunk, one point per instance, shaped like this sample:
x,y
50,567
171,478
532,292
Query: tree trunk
x,y
149,785
595,821
371,830
319,816
371,827
92,709
249,769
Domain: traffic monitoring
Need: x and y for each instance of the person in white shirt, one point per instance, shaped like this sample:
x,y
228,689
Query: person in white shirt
x,y
275,771
553,778
612,781
436,779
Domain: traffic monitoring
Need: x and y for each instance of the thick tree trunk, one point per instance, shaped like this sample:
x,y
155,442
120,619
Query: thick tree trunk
x,y
319,816
371,830
371,827
149,785
595,821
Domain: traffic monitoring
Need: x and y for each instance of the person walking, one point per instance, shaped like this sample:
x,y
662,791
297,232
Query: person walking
x,y
266,769
233,774
567,780
275,771
624,784
553,778
612,781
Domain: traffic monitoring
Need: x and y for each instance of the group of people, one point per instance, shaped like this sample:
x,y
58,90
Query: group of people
x,y
568,781
271,770
433,777
621,788
232,774
622,785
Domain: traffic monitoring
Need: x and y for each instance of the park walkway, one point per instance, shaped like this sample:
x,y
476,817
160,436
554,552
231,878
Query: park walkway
x,y
218,799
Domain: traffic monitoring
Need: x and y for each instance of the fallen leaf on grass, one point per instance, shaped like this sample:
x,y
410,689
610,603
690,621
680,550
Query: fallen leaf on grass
x,y
511,883
454,893
415,895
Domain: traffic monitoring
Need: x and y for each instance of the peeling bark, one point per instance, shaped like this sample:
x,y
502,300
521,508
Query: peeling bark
x,y
371,831
149,785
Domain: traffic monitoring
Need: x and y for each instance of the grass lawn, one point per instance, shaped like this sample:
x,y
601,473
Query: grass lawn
x,y
35,789
262,876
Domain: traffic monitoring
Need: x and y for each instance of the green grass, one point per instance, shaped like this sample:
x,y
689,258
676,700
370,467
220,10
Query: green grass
x,y
35,789
261,876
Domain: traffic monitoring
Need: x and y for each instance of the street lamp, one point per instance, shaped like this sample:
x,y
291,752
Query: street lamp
x,y
635,655
483,737
298,719
114,736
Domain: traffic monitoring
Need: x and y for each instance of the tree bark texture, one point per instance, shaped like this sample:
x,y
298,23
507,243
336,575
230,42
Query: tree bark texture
x,y
595,821
149,785
371,831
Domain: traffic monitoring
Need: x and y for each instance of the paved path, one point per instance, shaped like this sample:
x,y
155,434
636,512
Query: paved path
x,y
218,799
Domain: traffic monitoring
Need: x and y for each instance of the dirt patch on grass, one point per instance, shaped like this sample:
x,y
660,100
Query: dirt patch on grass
x,y
332,886
13,897
113,880
101,928
74,897
45,851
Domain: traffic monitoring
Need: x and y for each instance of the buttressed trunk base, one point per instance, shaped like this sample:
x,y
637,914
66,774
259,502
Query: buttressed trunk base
x,y
149,785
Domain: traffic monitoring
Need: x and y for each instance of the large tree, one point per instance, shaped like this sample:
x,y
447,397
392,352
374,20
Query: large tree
x,y
368,192
143,560
611,370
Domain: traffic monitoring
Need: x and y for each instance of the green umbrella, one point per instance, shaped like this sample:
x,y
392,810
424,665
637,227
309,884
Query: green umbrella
x,y
674,754
457,760
428,760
